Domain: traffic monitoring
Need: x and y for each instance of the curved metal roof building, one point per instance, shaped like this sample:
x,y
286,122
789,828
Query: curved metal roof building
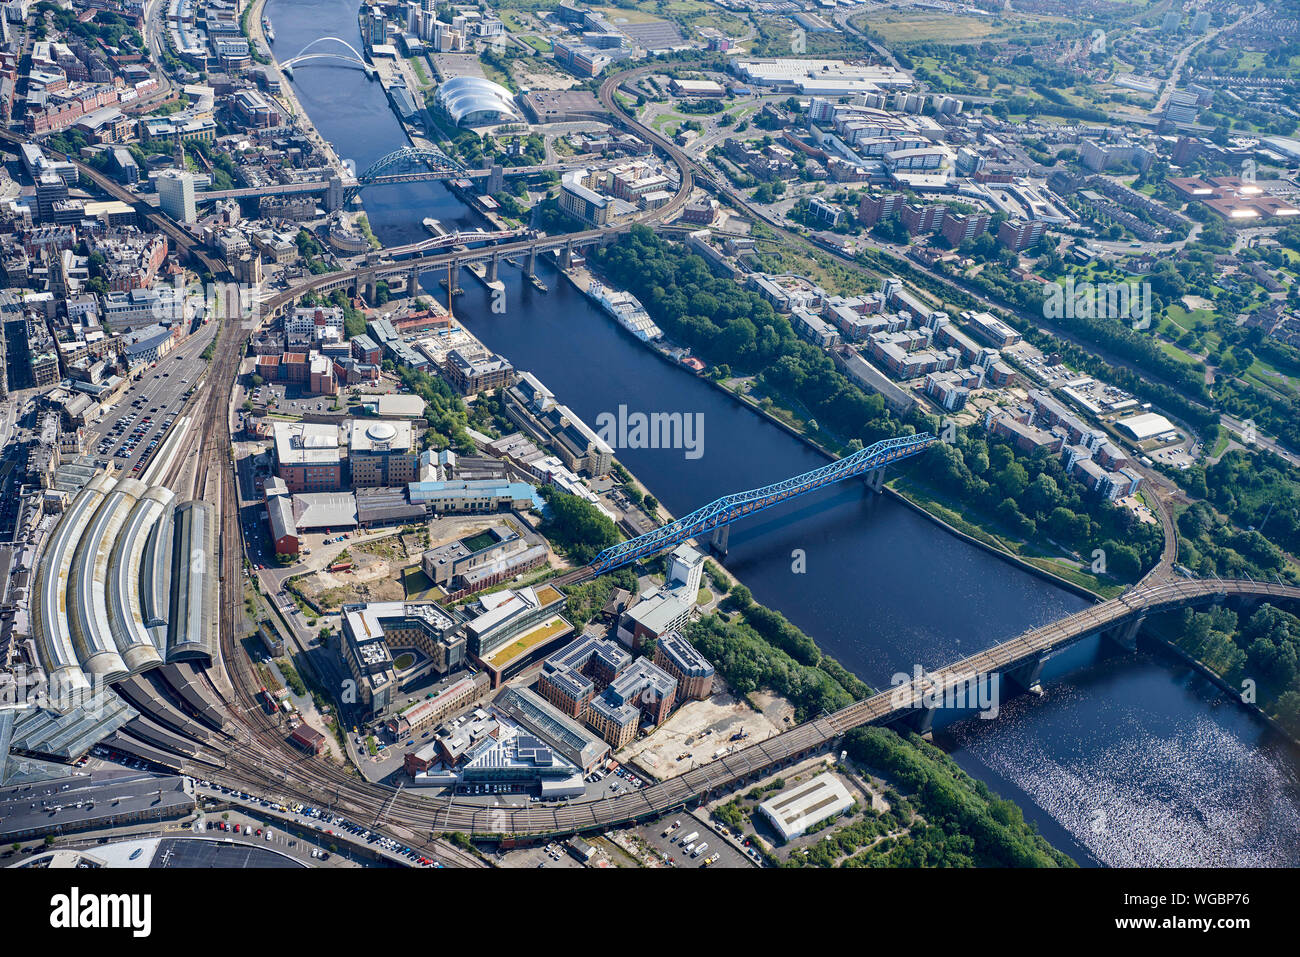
x,y
126,580
156,576
50,621
193,620
472,101
127,574
92,635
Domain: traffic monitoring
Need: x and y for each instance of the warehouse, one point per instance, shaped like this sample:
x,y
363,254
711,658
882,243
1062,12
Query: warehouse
x,y
1149,425
795,810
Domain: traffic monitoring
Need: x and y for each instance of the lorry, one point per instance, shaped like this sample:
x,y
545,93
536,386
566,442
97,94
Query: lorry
x,y
704,846
689,838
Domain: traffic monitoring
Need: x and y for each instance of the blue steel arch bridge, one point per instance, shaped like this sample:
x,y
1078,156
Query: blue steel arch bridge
x,y
408,165
718,515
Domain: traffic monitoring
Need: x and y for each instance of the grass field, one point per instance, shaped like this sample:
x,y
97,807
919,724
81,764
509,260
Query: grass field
x,y
1177,354
624,15
913,26
417,585
529,640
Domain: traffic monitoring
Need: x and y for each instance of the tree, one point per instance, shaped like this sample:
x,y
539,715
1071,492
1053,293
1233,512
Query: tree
x,y
574,526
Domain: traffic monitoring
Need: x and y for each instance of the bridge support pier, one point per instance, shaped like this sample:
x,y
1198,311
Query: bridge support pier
x,y
875,479
1027,675
718,541
566,256
921,720
413,283
532,262
493,268
371,289
1125,635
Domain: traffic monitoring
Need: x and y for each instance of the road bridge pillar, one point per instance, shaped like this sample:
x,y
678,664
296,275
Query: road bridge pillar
x,y
566,256
1027,675
875,479
370,290
493,267
718,541
413,282
1125,635
532,262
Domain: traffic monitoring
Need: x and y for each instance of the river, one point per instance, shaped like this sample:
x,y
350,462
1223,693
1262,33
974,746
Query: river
x,y
1126,760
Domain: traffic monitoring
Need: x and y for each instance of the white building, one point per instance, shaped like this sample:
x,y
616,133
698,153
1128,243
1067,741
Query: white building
x,y
796,809
176,195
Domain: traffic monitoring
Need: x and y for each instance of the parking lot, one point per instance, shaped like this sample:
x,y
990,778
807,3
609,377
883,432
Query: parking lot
x,y
552,855
331,829
130,431
691,841
288,399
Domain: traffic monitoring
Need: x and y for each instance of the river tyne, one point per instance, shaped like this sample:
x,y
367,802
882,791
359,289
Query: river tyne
x,y
1125,760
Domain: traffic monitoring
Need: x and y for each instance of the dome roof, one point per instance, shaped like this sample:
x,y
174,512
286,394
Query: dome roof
x,y
382,432
476,98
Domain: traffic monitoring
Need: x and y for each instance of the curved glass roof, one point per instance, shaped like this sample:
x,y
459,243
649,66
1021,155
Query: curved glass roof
x,y
464,96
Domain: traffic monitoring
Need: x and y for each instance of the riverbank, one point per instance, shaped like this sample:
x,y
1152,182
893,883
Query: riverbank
x,y
995,548
884,587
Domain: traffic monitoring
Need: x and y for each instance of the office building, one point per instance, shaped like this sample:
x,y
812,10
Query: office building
x,y
308,457
382,453
642,691
575,674
176,195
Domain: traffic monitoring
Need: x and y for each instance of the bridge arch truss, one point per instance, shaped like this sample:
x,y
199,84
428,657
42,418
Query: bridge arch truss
x,y
412,161
729,508
303,56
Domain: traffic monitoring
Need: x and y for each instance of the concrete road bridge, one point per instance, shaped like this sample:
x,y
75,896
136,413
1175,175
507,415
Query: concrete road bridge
x,y
362,279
